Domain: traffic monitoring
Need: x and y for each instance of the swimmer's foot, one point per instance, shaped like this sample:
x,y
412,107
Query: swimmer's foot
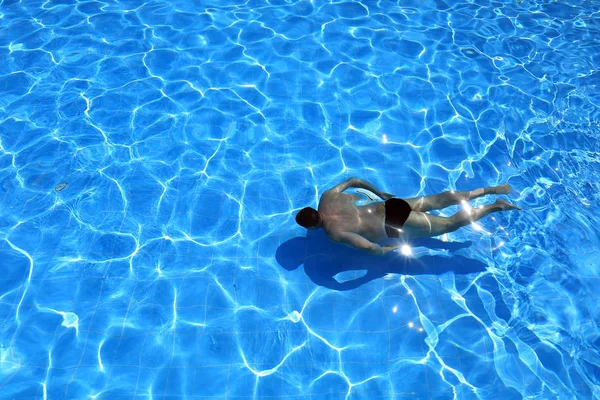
x,y
502,189
505,205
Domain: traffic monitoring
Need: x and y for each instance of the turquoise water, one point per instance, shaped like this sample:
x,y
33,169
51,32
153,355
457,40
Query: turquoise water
x,y
153,156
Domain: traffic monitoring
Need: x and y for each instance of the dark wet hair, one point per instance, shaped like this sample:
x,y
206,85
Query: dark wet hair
x,y
308,217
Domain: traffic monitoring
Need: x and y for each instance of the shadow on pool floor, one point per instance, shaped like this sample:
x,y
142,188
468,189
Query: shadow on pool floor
x,y
323,260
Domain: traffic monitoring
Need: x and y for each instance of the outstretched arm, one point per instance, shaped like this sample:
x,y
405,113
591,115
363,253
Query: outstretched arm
x,y
361,184
359,242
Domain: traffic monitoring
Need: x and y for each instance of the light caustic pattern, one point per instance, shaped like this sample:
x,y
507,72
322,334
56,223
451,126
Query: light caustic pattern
x,y
188,134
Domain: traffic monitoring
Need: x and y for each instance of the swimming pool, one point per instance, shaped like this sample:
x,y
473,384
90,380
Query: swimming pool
x,y
153,156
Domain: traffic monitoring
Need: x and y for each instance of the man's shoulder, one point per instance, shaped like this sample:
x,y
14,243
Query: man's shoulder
x,y
328,197
335,235
330,193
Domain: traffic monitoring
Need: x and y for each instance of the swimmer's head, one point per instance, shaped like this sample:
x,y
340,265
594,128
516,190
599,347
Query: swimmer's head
x,y
309,218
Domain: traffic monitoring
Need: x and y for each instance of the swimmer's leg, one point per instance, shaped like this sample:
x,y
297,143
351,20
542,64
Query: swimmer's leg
x,y
451,198
420,224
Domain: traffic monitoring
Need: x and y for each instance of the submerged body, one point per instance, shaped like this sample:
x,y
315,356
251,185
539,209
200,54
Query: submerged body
x,y
362,226
340,214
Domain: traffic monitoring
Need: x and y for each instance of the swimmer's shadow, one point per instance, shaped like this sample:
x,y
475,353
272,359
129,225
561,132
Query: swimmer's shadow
x,y
323,260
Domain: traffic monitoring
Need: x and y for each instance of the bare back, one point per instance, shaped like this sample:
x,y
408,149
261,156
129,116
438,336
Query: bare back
x,y
340,214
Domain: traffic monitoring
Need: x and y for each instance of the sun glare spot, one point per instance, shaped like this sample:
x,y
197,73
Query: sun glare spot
x,y
406,250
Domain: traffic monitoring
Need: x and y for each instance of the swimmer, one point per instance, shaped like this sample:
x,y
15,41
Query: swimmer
x,y
362,227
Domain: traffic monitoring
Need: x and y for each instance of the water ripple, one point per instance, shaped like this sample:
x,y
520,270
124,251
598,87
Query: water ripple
x,y
152,157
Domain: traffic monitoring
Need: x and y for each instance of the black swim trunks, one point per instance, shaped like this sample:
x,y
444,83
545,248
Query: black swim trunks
x,y
396,214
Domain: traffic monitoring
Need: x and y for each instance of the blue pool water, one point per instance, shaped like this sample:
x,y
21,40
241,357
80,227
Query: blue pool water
x,y
153,156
